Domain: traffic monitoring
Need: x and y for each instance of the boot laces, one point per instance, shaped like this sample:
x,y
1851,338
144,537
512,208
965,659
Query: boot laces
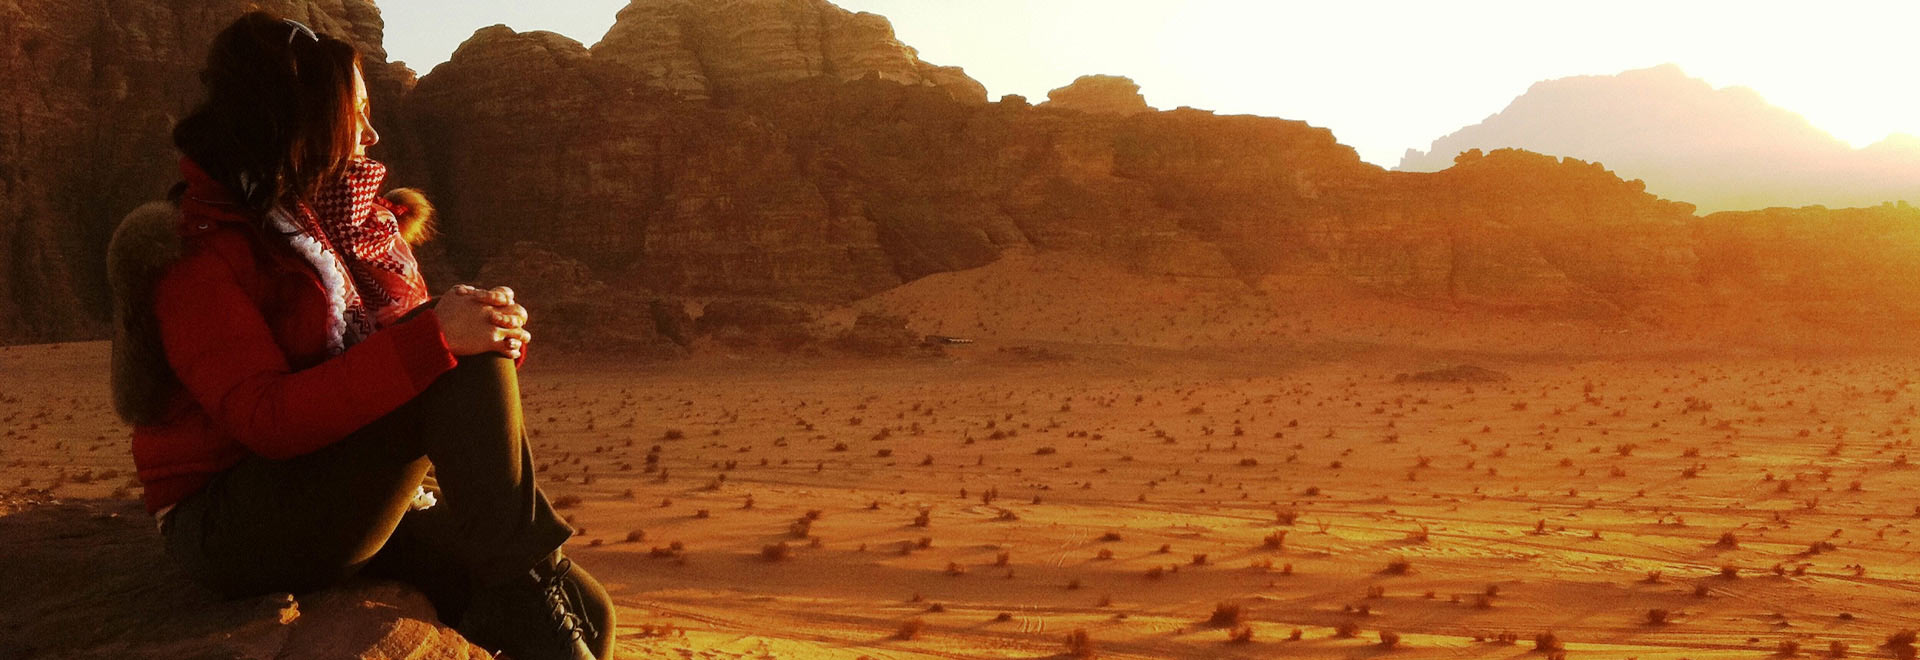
x,y
562,599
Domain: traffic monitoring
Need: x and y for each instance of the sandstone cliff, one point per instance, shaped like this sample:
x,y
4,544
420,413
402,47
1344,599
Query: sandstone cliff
x,y
706,48
1097,93
790,152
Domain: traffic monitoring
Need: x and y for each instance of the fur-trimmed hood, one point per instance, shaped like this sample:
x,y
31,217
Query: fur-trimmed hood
x,y
145,243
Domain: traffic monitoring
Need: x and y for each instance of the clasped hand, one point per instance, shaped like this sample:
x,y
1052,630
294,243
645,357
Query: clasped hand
x,y
481,320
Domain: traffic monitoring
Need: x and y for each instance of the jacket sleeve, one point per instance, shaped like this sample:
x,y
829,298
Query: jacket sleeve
x,y
222,350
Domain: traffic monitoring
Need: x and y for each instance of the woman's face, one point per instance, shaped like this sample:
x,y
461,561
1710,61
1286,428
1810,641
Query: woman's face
x,y
362,110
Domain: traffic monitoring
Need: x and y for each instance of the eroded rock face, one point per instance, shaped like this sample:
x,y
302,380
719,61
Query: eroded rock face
x,y
86,92
1514,228
699,49
788,151
1837,265
804,187
569,309
1097,93
89,580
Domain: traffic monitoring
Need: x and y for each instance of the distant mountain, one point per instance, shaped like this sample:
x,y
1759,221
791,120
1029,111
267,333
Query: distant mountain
x,y
1721,149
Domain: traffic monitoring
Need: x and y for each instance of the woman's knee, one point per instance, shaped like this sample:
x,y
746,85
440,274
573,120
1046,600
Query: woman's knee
x,y
475,380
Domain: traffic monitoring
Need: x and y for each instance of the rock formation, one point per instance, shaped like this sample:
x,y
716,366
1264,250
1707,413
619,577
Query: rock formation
x,y
790,153
1722,149
89,580
699,49
1853,265
1097,93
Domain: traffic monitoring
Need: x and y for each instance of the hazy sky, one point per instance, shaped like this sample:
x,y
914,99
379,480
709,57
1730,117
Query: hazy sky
x,y
1385,75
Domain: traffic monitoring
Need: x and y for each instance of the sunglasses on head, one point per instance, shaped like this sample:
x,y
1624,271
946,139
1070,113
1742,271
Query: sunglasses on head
x,y
299,28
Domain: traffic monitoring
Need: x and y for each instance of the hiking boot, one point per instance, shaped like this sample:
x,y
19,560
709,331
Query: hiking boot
x,y
533,616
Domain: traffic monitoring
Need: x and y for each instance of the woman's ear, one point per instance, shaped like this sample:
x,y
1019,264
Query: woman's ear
x,y
415,214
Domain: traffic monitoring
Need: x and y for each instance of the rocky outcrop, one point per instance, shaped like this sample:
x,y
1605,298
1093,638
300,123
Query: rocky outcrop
x,y
1515,228
706,48
88,93
1722,149
569,309
1115,95
1855,265
792,154
89,580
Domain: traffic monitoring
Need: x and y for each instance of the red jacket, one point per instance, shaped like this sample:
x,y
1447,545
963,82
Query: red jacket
x,y
242,319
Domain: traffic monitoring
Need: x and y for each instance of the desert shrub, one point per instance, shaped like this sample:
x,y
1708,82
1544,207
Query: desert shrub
x,y
1901,643
1389,639
1240,634
910,628
776,551
1227,613
1080,645
1547,642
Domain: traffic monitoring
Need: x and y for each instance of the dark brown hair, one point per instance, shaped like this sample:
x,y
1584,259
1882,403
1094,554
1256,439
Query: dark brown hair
x,y
278,118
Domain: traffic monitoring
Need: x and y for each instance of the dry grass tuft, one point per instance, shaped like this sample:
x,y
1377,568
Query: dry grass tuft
x,y
1080,645
1227,613
910,628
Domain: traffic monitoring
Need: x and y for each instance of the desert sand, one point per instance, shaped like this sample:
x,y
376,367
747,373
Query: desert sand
x,y
1291,503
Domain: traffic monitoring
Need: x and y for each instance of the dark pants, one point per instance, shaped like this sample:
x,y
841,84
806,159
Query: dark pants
x,y
304,523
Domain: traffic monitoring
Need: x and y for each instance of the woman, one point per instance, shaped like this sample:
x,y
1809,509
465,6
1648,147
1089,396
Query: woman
x,y
285,424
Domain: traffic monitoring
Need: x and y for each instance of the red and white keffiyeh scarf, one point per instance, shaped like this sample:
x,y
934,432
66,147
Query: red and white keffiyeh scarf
x,y
353,241
364,228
